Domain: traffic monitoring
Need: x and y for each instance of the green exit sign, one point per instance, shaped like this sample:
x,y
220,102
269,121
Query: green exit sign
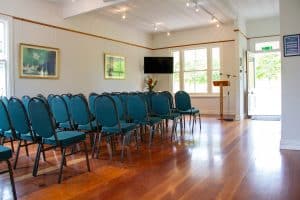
x,y
267,48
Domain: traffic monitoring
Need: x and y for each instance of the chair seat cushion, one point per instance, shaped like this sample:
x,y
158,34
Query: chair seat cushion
x,y
5,153
171,116
65,125
88,127
26,137
9,134
189,111
151,121
125,127
65,138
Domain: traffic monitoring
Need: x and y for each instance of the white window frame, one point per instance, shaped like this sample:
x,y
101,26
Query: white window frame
x,y
209,70
7,59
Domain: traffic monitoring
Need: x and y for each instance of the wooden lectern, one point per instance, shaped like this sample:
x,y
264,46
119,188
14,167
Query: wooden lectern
x,y
221,84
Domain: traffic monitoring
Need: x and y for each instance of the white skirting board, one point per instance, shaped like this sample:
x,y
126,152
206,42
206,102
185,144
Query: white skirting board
x,y
289,145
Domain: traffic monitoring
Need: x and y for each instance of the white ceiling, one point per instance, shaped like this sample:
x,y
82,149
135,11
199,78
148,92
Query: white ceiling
x,y
174,15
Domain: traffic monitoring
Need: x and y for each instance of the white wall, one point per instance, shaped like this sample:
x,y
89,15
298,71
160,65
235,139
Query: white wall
x,y
208,104
81,56
289,24
263,27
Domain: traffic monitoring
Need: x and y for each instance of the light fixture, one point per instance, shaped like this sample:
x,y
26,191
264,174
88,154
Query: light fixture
x,y
124,16
168,33
197,5
213,19
194,4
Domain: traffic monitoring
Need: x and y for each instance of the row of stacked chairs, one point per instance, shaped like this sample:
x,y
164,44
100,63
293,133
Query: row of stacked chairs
x,y
62,121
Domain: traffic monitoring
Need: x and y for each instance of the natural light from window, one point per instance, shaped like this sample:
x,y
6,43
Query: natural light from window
x,y
195,71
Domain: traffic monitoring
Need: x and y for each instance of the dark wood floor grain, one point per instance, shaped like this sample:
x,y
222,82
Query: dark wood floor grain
x,y
226,160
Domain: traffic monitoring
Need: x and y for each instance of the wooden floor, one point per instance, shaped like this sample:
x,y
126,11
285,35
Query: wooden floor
x,y
226,160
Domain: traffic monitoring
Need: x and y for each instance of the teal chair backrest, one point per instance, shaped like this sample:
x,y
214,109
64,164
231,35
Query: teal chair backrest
x,y
106,112
170,97
136,108
67,98
160,104
92,98
120,107
18,116
40,117
25,100
79,110
4,99
49,98
59,109
183,100
5,122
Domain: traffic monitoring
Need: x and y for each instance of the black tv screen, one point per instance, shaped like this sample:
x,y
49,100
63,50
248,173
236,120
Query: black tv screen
x,y
158,65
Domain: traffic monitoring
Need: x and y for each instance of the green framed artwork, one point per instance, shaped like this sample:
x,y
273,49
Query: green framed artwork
x,y
38,62
114,67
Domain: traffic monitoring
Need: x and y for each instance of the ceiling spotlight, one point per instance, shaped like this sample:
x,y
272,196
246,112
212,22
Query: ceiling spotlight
x,y
218,25
168,33
213,20
187,4
124,16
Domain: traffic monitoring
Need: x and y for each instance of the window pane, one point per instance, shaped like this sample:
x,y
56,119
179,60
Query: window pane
x,y
1,40
2,79
216,58
195,82
195,59
215,77
272,45
176,56
176,83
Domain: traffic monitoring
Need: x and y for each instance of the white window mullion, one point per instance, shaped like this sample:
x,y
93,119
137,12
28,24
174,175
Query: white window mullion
x,y
209,70
181,72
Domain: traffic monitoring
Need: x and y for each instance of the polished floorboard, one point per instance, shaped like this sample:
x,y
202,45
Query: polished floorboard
x,y
226,160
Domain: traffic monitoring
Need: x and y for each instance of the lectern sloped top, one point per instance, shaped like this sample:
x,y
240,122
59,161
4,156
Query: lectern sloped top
x,y
221,83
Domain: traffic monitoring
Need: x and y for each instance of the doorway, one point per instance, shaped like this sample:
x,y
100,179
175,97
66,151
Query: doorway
x,y
264,84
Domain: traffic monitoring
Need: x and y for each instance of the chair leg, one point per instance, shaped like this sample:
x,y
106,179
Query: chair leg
x,y
200,121
62,164
43,153
123,145
151,135
136,139
12,144
11,176
109,146
26,148
37,160
65,162
95,144
86,156
98,144
17,154
193,123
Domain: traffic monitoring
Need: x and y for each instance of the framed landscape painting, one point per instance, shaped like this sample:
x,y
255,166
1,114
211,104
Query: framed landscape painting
x,y
114,67
38,62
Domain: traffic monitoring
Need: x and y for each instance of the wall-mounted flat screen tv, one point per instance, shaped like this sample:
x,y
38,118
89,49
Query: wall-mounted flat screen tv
x,y
158,65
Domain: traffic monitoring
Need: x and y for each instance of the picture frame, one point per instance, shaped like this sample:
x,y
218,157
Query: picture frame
x,y
114,67
38,62
291,45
